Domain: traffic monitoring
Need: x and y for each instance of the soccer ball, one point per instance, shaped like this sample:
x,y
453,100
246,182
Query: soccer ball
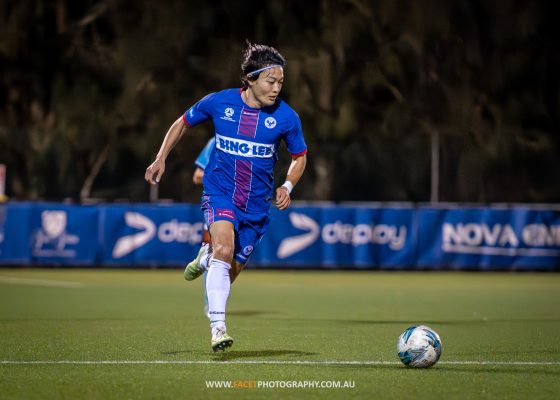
x,y
419,347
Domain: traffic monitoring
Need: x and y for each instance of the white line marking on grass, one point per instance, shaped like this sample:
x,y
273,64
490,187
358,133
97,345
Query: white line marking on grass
x,y
39,282
263,362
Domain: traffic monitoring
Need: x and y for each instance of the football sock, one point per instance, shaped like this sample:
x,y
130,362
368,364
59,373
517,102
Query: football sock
x,y
217,290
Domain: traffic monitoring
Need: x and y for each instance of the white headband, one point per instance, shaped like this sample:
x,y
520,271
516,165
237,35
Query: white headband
x,y
263,69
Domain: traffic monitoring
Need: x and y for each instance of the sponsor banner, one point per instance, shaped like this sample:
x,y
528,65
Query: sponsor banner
x,y
150,235
45,233
338,237
517,238
3,212
15,246
302,236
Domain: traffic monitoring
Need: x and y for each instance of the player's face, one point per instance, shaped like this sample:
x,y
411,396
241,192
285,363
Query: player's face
x,y
267,88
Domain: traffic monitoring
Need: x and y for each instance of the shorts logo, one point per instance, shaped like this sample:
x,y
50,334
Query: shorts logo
x,y
222,212
270,122
247,250
228,114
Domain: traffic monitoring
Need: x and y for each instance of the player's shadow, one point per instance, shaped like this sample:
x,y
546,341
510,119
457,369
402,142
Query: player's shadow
x,y
234,355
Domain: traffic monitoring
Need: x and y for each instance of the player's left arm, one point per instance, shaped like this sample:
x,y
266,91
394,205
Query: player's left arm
x,y
295,172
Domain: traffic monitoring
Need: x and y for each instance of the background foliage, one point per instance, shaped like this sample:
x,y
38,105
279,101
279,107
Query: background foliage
x,y
89,88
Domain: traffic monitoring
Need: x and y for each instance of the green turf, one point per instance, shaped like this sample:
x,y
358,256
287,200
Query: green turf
x,y
282,316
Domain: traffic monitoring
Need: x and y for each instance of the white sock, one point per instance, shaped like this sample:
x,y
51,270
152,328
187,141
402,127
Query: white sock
x,y
217,290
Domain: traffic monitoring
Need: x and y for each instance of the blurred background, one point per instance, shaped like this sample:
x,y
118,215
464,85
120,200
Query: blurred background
x,y
453,101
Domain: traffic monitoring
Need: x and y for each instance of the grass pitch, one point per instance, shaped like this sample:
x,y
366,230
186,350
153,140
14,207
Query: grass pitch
x,y
118,334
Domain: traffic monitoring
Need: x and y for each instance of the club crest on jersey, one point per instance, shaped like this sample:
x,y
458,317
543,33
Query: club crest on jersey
x,y
244,148
228,114
270,122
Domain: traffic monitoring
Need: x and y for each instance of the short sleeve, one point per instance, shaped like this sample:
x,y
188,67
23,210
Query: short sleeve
x,y
200,112
294,137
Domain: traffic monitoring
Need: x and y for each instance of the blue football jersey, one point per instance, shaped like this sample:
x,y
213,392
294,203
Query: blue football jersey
x,y
247,142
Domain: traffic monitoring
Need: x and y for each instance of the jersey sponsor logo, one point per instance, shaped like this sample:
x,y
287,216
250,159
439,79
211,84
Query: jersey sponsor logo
x,y
270,122
247,250
228,114
244,148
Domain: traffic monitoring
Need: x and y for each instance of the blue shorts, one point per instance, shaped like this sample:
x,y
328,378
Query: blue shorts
x,y
249,228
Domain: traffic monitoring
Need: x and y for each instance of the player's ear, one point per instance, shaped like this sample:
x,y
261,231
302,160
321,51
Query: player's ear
x,y
252,80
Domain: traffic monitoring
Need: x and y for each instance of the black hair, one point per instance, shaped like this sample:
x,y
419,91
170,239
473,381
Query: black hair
x,y
257,56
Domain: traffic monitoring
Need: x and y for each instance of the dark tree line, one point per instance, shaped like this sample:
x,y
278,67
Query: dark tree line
x,y
89,88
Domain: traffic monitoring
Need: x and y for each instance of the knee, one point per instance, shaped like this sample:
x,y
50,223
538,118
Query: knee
x,y
223,251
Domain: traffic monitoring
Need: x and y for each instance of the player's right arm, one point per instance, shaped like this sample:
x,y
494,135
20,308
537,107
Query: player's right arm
x,y
174,134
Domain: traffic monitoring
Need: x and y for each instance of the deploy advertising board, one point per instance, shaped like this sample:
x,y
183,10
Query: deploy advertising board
x,y
155,235
340,236
365,236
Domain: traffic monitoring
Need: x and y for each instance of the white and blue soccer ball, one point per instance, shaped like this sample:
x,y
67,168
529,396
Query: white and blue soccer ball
x,y
419,347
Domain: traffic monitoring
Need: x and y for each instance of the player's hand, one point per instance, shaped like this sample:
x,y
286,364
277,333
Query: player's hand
x,y
198,176
155,171
282,198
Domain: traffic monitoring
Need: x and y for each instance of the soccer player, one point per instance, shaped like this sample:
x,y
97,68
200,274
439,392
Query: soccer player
x,y
238,181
